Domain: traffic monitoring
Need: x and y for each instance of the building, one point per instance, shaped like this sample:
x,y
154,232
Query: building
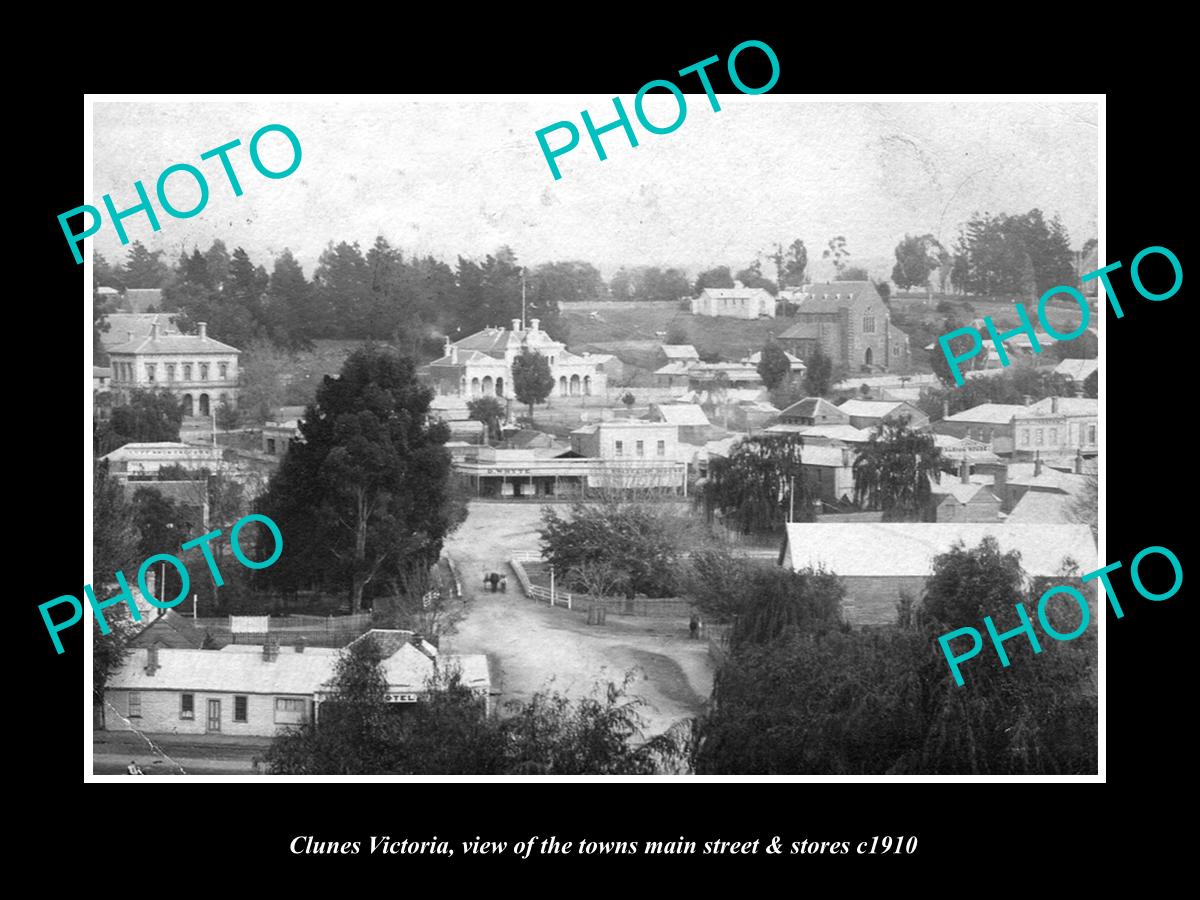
x,y
101,379
677,353
873,413
877,560
1056,426
1078,370
146,459
278,436
850,322
828,472
796,364
813,411
707,376
201,371
262,690
1019,479
626,439
692,424
480,365
120,325
964,498
828,435
988,423
167,629
673,374
738,302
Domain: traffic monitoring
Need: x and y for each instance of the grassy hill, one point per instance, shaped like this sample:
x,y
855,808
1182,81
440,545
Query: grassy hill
x,y
633,334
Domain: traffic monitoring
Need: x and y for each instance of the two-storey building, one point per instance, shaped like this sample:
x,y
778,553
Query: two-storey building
x,y
201,371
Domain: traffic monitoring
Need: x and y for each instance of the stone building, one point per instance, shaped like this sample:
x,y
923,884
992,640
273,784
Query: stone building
x,y
201,371
851,324
480,365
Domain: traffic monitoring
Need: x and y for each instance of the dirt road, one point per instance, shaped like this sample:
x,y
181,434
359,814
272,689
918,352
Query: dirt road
x,y
531,646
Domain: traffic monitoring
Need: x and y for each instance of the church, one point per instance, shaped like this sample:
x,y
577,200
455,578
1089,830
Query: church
x,y
852,325
480,365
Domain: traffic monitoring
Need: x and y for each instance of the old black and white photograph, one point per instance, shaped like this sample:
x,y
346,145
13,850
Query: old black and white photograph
x,y
467,436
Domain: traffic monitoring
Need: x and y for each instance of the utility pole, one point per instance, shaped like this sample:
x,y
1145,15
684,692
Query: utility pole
x,y
792,499
522,298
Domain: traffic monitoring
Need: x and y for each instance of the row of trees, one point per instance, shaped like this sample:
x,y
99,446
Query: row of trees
x,y
803,694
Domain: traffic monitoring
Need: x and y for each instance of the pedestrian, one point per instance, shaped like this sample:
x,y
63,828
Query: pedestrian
x,y
504,584
495,580
694,626
134,769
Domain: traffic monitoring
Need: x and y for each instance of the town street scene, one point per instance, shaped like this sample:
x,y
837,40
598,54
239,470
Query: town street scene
x,y
657,469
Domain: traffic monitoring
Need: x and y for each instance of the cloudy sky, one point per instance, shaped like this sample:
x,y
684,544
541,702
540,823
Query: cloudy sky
x,y
452,177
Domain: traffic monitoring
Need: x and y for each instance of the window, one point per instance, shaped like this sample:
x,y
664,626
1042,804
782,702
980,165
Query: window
x,y
187,371
662,448
291,710
170,371
1091,434
204,371
150,371
240,705
135,705
1054,435
1040,435
868,324
187,706
641,448
224,369
271,446
619,448
1024,437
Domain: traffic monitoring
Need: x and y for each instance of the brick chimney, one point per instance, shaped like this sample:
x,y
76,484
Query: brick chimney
x,y
154,331
203,326
846,460
516,325
945,407
131,336
533,324
1027,400
270,651
152,665
1079,462
1053,404
964,471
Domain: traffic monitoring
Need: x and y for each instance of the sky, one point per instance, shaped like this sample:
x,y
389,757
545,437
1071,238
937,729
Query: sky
x,y
465,176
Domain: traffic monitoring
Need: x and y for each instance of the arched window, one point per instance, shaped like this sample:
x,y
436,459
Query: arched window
x,y
204,408
487,384
474,387
562,385
189,407
587,385
869,356
574,385
499,387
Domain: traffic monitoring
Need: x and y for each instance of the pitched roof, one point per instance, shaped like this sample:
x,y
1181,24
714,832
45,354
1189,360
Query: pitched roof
x,y
177,623
847,434
470,357
677,367
1067,406
1077,369
121,324
220,672
173,343
1041,506
679,351
811,407
835,295
908,548
142,299
826,455
801,331
756,357
963,493
686,414
734,292
869,408
988,414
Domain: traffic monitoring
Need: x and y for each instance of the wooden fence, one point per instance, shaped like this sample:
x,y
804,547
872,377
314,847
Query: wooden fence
x,y
673,607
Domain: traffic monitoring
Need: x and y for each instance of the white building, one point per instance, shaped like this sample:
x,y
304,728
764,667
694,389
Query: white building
x,y
201,371
737,302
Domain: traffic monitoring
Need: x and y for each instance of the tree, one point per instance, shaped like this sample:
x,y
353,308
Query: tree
x,y
628,399
718,277
885,291
149,417
291,309
144,268
916,259
1091,385
752,277
228,416
893,471
114,549
570,282
796,266
836,251
818,376
783,602
162,525
261,370
490,412
368,482
852,273
638,540
774,365
759,486
532,381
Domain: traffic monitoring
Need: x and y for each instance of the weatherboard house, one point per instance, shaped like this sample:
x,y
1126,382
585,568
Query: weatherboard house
x,y
480,365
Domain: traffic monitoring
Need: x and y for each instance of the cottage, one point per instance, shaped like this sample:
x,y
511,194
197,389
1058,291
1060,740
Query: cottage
x,y
872,413
814,411
738,302
879,559
828,472
689,418
277,437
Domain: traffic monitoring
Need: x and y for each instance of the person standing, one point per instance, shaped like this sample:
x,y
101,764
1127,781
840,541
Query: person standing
x,y
134,769
694,626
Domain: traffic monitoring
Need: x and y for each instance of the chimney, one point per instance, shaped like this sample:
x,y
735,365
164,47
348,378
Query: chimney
x,y
446,349
270,649
1079,462
516,325
1028,401
533,324
154,331
453,354
1053,404
152,665
945,407
131,336
964,471
846,461
203,330
1037,463
300,645
1001,475
737,285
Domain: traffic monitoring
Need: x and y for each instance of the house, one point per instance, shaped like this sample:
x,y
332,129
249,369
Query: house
x,y
673,374
101,378
708,376
813,411
677,353
964,498
738,302
796,364
1056,426
750,415
262,691
480,365
1046,507
147,458
626,439
1021,478
877,560
1078,370
694,426
828,472
121,325
872,413
201,371
850,322
840,435
167,629
987,423
278,436
606,364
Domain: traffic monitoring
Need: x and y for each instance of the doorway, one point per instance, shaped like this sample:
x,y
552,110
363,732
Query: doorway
x,y
214,716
